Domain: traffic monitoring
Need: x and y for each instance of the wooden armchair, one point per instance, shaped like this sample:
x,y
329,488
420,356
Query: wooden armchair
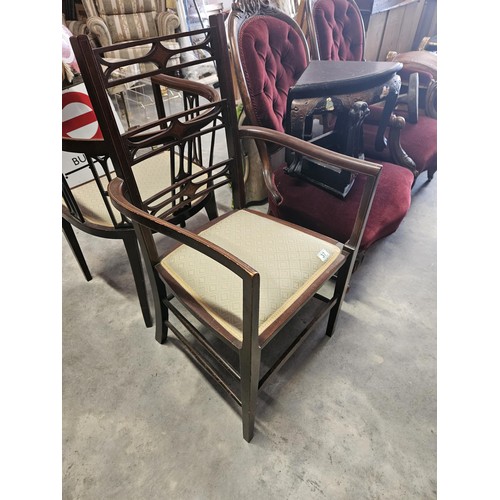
x,y
226,289
86,206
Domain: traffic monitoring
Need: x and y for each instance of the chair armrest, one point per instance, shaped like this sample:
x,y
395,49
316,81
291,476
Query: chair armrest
x,y
412,98
167,23
396,123
190,86
116,190
328,159
331,159
99,28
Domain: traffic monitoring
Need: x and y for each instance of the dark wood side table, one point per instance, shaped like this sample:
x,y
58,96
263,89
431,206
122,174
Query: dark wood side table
x,y
344,89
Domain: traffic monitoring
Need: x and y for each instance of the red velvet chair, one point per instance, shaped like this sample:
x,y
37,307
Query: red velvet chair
x,y
269,53
337,32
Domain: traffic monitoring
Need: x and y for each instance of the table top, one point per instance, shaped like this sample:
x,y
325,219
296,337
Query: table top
x,y
321,78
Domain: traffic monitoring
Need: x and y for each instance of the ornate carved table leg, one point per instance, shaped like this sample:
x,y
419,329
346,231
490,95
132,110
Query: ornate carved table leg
x,y
392,90
349,129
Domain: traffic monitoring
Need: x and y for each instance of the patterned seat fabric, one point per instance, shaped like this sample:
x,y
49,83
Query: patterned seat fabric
x,y
264,245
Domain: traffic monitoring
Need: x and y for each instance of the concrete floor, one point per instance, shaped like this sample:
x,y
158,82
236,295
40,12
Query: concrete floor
x,y
351,417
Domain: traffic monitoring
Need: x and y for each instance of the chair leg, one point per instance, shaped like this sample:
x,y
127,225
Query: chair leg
x,y
161,309
211,207
158,288
249,371
134,257
341,287
69,233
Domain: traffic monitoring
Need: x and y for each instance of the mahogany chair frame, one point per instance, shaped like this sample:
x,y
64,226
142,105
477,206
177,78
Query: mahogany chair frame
x,y
163,134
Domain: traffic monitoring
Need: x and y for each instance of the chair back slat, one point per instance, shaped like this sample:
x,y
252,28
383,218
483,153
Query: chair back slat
x,y
193,169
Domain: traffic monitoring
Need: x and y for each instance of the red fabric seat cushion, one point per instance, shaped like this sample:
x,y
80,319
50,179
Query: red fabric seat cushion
x,y
340,31
419,140
273,57
316,209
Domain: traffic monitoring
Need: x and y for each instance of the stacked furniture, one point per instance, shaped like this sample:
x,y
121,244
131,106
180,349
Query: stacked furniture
x,y
269,55
337,32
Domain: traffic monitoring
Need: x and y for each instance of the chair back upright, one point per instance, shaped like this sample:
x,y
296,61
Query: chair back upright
x,y
182,136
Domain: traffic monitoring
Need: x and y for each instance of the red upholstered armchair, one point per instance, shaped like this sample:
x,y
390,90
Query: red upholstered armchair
x,y
269,53
337,33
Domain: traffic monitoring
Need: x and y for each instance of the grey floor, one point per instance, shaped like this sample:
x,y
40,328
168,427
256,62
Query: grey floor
x,y
351,417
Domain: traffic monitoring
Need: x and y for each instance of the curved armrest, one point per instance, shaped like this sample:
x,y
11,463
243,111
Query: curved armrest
x,y
116,190
398,155
412,98
331,159
99,28
328,159
431,100
190,86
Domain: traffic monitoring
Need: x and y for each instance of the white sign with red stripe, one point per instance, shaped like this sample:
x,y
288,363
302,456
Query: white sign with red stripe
x,y
79,122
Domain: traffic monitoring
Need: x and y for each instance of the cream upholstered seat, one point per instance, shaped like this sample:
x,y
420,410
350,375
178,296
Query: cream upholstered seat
x,y
266,246
237,283
149,173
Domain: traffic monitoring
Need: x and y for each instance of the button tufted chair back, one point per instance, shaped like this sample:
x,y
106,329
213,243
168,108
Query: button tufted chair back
x,y
273,57
339,28
269,53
